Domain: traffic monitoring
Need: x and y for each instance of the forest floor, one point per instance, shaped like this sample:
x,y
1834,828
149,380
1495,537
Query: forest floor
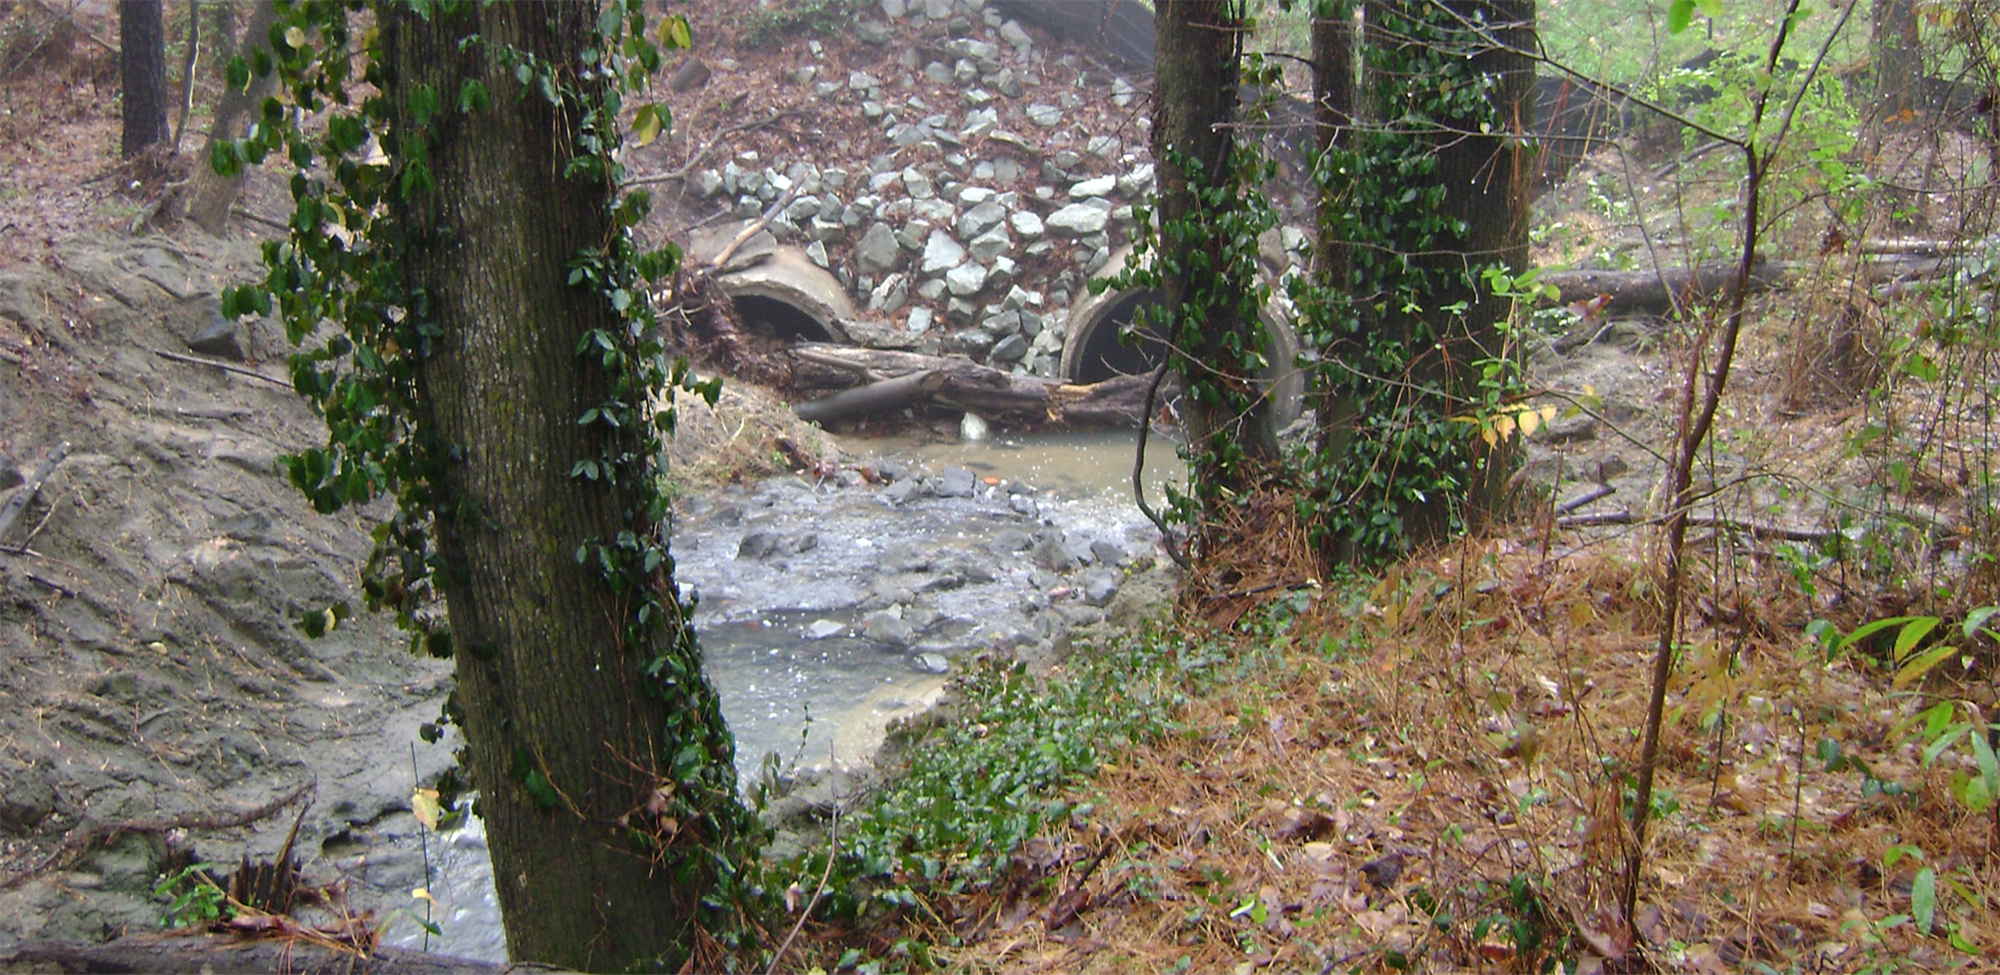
x,y
1428,768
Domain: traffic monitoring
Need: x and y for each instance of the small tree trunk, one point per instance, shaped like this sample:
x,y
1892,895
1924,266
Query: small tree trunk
x,y
1897,58
142,65
207,197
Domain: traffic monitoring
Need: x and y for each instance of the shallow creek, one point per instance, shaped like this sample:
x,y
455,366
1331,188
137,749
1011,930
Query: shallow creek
x,y
830,608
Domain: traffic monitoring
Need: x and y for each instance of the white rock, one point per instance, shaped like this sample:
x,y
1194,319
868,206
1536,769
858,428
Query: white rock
x,y
1093,187
1137,181
941,253
966,279
1079,219
990,244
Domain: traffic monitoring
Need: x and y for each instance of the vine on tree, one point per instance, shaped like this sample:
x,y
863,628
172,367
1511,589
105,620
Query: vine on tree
x,y
335,283
1401,439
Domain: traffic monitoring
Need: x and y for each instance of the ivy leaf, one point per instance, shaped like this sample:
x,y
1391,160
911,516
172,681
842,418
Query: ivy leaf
x,y
541,790
424,805
472,96
1679,14
674,34
646,126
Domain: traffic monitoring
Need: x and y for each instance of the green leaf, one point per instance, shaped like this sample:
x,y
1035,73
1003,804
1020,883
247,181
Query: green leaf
x,y
540,790
1923,899
1989,764
1710,8
674,34
1913,633
646,126
1680,13
1976,620
238,74
472,96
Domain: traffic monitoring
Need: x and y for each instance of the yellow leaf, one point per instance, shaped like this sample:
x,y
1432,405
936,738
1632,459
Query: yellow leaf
x,y
646,125
1503,425
1529,420
424,804
1487,434
1548,412
295,37
422,894
674,33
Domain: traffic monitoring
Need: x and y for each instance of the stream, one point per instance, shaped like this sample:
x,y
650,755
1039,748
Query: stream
x,y
828,609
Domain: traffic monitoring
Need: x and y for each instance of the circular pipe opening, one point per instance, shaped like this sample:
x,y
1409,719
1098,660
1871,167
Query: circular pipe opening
x,y
1096,353
1103,353
768,317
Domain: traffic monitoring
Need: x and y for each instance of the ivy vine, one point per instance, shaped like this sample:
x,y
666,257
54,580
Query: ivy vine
x,y
1404,440
335,281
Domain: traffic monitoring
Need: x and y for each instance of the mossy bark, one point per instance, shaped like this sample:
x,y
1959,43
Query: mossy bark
x,y
564,727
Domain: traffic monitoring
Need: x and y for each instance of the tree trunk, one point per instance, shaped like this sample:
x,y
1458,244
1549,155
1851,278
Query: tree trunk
x,y
1897,59
566,730
1486,179
142,66
1333,117
207,197
1194,101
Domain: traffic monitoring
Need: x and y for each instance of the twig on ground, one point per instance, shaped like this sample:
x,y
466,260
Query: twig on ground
x,y
83,838
722,257
1596,492
27,491
224,366
695,160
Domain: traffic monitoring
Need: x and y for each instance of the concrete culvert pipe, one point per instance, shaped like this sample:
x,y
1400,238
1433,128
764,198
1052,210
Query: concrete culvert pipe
x,y
788,297
1094,352
777,290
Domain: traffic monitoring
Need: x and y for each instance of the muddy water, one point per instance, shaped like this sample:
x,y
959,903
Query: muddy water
x,y
795,579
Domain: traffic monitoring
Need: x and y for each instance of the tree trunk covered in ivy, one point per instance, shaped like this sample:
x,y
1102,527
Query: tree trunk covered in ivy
x,y
1333,52
1482,180
566,731
1194,102
142,72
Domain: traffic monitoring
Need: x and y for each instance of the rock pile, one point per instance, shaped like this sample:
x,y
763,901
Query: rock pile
x,y
998,175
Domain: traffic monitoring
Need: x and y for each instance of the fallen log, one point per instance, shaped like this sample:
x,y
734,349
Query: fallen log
x,y
205,953
875,397
850,382
1660,290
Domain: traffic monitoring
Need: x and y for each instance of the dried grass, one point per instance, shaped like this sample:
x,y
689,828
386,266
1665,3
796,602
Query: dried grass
x,y
1472,720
